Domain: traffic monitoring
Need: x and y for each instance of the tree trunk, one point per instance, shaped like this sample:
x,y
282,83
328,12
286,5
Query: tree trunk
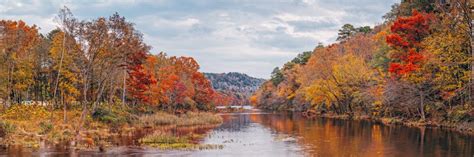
x,y
471,23
99,94
59,74
124,87
9,84
81,122
422,105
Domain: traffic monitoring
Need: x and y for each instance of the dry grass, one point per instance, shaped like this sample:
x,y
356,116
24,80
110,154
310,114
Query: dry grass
x,y
198,118
162,140
30,124
188,119
26,126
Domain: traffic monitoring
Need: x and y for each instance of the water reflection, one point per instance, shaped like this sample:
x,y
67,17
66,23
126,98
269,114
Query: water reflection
x,y
259,134
241,135
329,137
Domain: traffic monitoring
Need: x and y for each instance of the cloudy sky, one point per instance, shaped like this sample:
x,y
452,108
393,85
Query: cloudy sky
x,y
249,36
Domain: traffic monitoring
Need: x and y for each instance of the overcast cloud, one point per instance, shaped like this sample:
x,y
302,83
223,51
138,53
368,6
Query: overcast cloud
x,y
249,36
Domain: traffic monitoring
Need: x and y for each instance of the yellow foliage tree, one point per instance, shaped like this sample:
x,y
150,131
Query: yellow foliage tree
x,y
449,60
344,84
62,57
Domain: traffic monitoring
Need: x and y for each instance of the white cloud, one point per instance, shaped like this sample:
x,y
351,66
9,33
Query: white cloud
x,y
224,36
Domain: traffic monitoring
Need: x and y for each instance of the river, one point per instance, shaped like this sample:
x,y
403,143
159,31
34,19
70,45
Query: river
x,y
277,134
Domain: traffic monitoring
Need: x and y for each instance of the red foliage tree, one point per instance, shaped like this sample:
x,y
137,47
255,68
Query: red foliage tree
x,y
406,37
204,91
139,80
221,99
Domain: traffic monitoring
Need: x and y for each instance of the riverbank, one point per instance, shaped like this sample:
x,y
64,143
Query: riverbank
x,y
283,134
34,127
461,127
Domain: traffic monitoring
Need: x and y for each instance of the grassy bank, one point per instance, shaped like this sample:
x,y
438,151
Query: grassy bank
x,y
162,140
188,119
29,126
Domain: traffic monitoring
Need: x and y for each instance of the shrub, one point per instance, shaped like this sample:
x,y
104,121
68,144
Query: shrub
x,y
110,116
25,112
45,127
6,128
459,114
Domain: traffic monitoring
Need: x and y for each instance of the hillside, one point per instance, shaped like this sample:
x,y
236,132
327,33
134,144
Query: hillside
x,y
238,86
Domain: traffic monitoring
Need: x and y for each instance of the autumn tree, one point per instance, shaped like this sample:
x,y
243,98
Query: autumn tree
x,y
64,69
41,71
125,41
17,42
204,93
449,45
179,85
343,86
407,55
418,65
139,79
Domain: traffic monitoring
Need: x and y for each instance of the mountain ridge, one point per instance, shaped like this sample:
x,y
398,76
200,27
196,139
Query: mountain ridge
x,y
239,86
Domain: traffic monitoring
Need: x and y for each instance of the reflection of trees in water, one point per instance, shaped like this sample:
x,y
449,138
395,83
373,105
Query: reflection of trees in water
x,y
235,123
332,137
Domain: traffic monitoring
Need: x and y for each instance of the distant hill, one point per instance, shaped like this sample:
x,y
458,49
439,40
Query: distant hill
x,y
237,85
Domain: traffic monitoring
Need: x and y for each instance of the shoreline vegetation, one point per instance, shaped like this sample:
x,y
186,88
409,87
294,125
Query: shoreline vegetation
x,y
89,82
31,126
464,128
415,68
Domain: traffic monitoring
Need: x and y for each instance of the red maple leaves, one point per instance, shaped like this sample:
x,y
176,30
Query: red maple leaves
x,y
406,37
169,82
139,79
204,91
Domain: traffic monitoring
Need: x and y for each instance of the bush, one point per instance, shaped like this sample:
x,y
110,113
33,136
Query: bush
x,y
6,128
25,112
205,107
45,127
110,116
459,114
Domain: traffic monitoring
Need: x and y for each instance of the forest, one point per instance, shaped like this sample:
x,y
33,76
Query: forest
x,y
92,75
94,87
414,67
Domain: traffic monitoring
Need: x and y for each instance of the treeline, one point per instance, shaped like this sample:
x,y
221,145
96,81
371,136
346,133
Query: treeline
x,y
92,63
417,65
238,87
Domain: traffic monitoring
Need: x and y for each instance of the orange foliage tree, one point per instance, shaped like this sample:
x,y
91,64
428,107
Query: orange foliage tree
x,y
179,85
139,79
17,40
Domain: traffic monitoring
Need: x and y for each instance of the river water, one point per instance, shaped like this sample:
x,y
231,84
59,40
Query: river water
x,y
276,134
